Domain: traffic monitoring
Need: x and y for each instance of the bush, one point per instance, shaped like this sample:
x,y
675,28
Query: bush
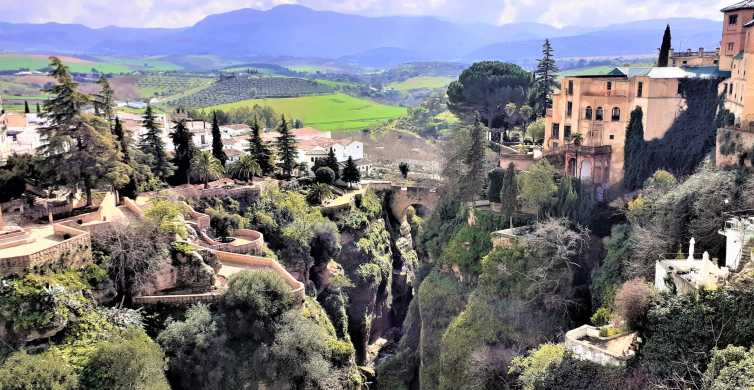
x,y
22,371
533,369
131,362
601,317
632,302
325,175
255,303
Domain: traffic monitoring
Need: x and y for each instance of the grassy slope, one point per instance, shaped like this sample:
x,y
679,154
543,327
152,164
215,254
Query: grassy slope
x,y
422,82
327,112
9,62
155,64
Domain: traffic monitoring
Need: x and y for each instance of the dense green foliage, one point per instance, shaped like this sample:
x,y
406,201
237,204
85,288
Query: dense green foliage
x,y
485,88
41,371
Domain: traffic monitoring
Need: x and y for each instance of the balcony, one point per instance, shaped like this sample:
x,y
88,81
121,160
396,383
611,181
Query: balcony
x,y
613,93
583,149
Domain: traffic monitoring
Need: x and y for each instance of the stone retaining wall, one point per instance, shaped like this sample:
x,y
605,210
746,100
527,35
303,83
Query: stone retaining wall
x,y
585,350
74,252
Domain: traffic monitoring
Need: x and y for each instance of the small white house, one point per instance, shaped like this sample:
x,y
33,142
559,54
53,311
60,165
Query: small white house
x,y
739,237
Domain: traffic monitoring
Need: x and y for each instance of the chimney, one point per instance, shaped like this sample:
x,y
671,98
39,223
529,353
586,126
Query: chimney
x,y
701,52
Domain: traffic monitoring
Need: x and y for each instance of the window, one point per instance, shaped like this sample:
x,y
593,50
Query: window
x,y
567,131
616,114
555,131
588,114
612,136
600,114
570,87
732,19
569,109
679,88
609,85
730,47
640,89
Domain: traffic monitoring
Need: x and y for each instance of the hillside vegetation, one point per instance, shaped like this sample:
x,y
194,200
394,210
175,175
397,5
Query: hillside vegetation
x,y
422,82
326,112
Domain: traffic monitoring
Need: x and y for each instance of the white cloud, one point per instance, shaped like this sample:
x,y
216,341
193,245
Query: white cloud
x,y
177,13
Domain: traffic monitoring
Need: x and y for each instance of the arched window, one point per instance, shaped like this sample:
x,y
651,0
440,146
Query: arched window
x,y
616,114
600,114
588,114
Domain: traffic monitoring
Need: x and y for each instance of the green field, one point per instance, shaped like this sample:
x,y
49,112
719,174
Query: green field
x,y
11,62
422,82
326,112
154,64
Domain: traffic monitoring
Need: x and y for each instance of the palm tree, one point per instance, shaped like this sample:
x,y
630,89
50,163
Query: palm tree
x,y
205,167
245,168
319,193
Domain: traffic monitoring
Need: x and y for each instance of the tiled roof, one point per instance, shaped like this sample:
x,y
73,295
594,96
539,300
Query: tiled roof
x,y
746,4
308,132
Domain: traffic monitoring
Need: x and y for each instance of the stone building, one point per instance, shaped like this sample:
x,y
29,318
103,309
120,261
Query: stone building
x,y
694,58
598,107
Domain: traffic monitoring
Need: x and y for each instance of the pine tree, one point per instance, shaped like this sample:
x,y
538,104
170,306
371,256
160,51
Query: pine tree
x,y
509,192
217,142
545,79
103,101
351,173
153,147
78,149
332,162
184,151
26,107
634,165
259,149
286,145
472,178
664,58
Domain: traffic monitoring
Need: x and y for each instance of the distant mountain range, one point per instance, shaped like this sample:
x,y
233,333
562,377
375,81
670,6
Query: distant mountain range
x,y
296,31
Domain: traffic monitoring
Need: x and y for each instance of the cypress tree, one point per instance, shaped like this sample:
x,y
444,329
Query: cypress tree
x,y
286,145
545,79
38,109
509,192
259,150
217,142
26,107
664,58
472,179
103,101
351,173
184,151
634,159
152,146
332,162
130,189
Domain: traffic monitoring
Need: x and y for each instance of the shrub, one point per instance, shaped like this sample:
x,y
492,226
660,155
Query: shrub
x,y
324,175
532,369
131,362
22,371
632,302
601,316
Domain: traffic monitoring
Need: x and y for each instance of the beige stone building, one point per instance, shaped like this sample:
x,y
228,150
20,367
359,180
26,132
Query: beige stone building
x,y
694,58
598,108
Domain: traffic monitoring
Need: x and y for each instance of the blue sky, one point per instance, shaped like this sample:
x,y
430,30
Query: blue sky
x,y
178,13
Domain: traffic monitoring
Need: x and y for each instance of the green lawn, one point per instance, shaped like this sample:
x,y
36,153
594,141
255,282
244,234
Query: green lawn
x,y
422,82
10,62
326,112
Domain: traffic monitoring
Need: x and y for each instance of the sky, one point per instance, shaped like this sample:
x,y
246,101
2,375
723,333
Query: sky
x,y
181,13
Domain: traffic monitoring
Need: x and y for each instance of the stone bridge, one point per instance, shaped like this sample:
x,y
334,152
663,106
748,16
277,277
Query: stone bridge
x,y
423,199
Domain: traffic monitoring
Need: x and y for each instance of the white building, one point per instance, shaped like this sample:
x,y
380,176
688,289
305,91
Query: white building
x,y
691,274
739,239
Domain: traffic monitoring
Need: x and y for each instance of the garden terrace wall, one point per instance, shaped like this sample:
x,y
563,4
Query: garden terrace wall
x,y
73,252
254,246
185,299
585,350
263,262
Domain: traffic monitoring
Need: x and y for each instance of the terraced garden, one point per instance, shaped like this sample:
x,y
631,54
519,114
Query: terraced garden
x,y
326,112
231,89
